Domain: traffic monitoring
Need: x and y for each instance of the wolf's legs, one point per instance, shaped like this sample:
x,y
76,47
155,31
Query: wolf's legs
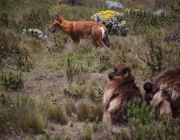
x,y
97,35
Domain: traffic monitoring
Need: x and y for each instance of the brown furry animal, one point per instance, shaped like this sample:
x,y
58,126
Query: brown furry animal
x,y
165,91
118,92
83,30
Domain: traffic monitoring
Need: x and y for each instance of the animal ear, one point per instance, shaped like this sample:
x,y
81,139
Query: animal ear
x,y
148,86
57,17
125,70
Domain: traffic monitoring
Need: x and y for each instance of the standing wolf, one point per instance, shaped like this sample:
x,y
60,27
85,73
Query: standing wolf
x,y
83,30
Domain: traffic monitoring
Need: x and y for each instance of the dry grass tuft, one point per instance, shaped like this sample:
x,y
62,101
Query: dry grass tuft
x,y
21,112
55,113
86,110
70,107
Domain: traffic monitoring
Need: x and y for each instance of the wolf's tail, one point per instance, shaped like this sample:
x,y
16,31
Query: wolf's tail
x,y
106,41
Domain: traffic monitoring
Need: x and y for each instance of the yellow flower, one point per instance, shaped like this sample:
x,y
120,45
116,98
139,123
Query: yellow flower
x,y
123,22
106,15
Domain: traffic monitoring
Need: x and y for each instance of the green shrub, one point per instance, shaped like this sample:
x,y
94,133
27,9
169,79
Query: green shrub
x,y
23,63
12,81
75,92
60,41
72,70
34,18
140,113
142,124
9,44
105,62
156,53
88,133
95,131
10,49
167,129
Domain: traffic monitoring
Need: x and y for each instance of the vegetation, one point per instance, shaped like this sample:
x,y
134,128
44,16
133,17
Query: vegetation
x,y
52,89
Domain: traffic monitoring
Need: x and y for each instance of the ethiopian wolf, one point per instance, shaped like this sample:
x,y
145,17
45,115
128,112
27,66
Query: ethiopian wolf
x,y
82,30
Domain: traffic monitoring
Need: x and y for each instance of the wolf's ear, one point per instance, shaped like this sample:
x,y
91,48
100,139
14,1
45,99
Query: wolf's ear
x,y
57,17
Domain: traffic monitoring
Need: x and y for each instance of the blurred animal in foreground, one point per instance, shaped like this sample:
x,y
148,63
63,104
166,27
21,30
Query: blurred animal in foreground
x,y
165,93
118,92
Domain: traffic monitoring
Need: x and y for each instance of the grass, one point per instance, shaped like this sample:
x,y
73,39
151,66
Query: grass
x,y
55,113
21,113
63,84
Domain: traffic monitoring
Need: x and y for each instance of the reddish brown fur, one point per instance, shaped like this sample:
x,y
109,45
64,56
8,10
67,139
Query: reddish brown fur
x,y
118,92
166,88
83,30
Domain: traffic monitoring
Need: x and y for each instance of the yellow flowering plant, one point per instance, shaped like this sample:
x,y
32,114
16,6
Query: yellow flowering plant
x,y
107,15
112,20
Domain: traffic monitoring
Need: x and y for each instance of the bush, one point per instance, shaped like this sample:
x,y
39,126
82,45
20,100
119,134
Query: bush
x,y
72,70
139,113
89,111
142,124
10,48
23,63
12,81
55,113
76,92
9,44
112,20
19,114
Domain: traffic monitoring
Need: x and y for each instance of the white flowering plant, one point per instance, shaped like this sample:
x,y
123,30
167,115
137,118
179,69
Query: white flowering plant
x,y
161,13
113,5
35,32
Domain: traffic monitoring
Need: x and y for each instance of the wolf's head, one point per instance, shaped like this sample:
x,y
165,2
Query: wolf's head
x,y
56,24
